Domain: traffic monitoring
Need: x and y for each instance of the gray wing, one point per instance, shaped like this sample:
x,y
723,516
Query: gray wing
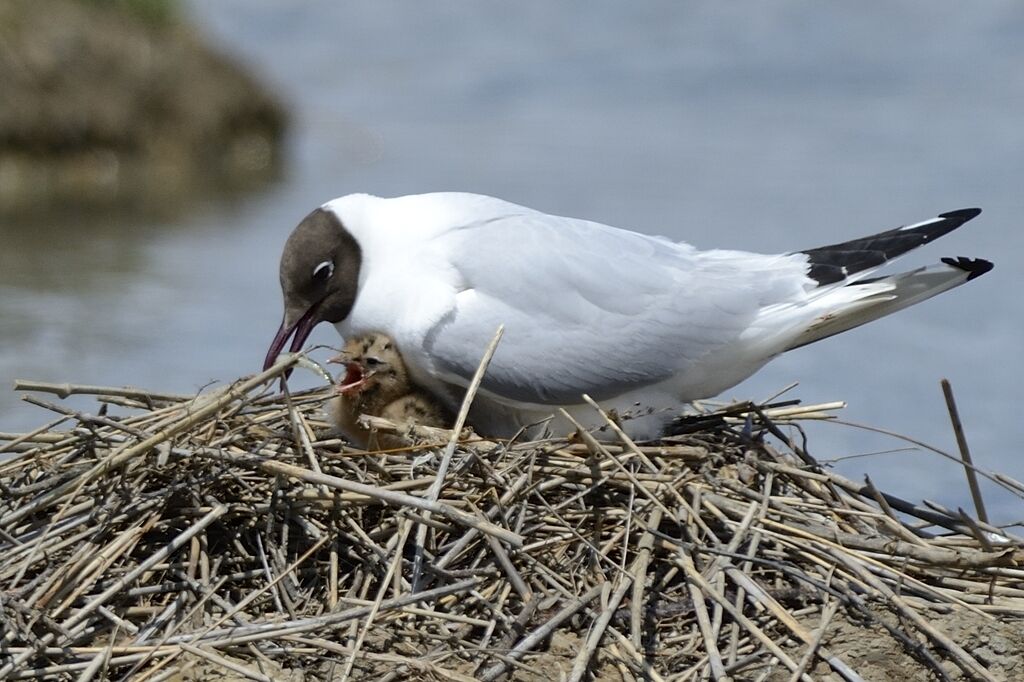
x,y
589,308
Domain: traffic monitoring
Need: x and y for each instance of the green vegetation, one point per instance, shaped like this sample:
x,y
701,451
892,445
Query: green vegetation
x,y
153,12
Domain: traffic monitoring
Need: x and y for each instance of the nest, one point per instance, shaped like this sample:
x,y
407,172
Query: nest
x,y
169,536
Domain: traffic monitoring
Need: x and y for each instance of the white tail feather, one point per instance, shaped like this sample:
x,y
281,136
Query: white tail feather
x,y
846,307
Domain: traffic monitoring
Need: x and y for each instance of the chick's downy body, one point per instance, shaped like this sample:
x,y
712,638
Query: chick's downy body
x,y
376,382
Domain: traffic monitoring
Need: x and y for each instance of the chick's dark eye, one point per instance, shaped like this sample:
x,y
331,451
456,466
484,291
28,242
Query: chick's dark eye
x,y
373,362
323,271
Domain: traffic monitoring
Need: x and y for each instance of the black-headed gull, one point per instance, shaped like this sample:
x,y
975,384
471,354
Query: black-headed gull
x,y
639,323
376,382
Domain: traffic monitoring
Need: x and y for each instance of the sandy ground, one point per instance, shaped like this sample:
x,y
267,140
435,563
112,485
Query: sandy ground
x,y
870,650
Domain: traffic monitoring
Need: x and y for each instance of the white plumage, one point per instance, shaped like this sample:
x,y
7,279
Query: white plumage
x,y
639,323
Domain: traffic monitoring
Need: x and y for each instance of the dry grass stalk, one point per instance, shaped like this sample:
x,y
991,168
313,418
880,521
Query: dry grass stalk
x,y
233,530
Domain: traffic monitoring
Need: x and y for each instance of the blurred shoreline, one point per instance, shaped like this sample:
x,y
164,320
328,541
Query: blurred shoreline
x,y
122,104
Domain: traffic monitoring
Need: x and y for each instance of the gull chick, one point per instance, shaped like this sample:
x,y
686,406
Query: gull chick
x,y
632,320
376,382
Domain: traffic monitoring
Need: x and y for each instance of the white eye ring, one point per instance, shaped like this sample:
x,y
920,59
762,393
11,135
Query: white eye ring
x,y
327,266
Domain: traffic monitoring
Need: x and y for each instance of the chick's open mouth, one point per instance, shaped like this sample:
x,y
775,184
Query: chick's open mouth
x,y
354,380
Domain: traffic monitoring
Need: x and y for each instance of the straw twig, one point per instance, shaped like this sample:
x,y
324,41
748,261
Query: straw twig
x,y
965,452
446,458
235,531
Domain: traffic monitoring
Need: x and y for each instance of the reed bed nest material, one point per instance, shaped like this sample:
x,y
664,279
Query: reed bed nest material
x,y
167,536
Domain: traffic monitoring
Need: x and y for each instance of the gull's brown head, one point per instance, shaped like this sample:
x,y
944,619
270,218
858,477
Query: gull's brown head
x,y
319,279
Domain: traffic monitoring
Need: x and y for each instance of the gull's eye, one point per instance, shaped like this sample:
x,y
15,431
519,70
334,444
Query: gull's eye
x,y
323,271
373,362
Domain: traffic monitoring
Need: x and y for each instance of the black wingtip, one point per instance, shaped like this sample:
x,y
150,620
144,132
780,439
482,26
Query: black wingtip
x,y
975,267
837,262
961,214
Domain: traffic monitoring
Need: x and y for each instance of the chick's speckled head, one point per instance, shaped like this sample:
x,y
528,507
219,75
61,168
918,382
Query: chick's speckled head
x,y
373,364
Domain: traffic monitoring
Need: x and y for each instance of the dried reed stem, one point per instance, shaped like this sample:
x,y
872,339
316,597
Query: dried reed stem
x,y
234,531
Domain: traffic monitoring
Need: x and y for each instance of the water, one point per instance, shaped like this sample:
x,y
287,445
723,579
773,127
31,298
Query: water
x,y
769,127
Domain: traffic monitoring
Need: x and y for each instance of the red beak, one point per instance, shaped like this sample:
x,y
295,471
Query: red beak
x,y
301,329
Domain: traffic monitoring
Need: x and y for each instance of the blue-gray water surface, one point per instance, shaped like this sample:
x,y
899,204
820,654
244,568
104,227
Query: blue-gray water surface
x,y
762,126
